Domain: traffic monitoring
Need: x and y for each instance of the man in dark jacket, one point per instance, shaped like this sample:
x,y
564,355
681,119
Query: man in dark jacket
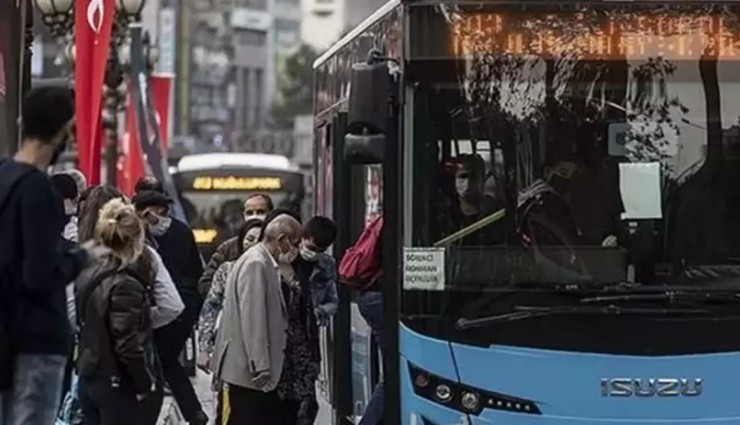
x,y
34,268
176,245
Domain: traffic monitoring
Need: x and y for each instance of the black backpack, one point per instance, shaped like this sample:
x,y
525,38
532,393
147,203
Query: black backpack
x,y
90,360
7,291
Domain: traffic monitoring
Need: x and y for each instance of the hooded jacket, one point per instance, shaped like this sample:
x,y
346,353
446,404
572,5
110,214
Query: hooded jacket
x,y
116,338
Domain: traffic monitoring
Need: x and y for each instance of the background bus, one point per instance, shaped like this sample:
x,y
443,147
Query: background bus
x,y
213,187
558,187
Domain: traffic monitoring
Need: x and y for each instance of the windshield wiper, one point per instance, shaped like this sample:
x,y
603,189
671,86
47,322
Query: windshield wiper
x,y
670,296
527,312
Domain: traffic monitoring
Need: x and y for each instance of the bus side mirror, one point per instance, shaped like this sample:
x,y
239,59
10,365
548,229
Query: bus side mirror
x,y
368,114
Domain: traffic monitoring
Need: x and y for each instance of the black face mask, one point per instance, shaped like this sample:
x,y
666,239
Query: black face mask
x,y
58,152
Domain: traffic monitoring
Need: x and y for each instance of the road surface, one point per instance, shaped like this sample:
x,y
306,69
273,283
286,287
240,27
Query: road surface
x,y
171,415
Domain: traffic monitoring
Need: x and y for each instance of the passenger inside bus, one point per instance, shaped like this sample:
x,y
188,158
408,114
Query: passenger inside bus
x,y
473,202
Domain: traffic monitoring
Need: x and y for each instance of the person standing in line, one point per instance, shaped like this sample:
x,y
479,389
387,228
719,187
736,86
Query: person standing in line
x,y
255,208
70,230
35,335
212,307
254,324
66,188
118,362
316,275
176,245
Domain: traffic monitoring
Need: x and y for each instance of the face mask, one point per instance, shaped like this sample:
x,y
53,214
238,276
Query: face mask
x,y
461,186
161,226
260,217
288,257
69,207
308,255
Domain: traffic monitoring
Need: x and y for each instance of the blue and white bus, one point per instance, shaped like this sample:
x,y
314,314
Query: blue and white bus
x,y
561,202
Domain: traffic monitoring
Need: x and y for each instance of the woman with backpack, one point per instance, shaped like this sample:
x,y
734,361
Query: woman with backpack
x,y
117,361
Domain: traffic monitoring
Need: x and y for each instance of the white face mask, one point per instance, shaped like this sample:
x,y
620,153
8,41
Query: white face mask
x,y
461,186
260,217
288,257
307,254
161,226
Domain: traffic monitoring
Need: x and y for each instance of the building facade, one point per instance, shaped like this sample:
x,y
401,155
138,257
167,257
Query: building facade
x,y
326,20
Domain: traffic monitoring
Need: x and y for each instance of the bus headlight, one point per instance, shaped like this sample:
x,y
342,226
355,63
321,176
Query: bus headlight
x,y
470,401
464,398
443,393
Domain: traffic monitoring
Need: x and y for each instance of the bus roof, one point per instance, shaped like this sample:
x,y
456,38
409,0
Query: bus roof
x,y
210,161
359,29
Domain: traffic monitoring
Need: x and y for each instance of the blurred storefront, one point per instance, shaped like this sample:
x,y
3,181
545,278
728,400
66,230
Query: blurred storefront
x,y
15,43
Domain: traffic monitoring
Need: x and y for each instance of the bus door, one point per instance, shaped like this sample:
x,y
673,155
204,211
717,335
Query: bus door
x,y
348,359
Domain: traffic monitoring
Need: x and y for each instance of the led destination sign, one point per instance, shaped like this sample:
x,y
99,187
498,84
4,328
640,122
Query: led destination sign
x,y
237,183
601,37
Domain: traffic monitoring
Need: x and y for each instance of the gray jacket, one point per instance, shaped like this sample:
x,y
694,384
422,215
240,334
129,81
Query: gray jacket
x,y
251,335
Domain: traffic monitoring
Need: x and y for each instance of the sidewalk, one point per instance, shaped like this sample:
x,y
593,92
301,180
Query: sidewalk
x,y
171,415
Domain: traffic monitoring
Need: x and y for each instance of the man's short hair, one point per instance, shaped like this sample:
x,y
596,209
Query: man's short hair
x,y
282,225
265,197
272,215
473,163
65,185
150,198
149,183
79,179
322,230
46,110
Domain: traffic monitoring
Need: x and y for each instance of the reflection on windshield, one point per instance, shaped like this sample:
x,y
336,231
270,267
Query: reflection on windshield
x,y
215,216
531,143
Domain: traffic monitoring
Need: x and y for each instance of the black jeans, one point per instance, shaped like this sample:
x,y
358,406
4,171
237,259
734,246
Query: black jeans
x,y
300,412
104,405
254,407
170,341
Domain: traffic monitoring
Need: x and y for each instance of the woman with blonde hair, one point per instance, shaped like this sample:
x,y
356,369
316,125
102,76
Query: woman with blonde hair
x,y
117,362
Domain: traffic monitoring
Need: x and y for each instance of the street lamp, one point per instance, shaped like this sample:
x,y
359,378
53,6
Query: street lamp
x,y
132,8
58,16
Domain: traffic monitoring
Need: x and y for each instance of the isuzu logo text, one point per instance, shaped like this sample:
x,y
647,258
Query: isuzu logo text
x,y
651,387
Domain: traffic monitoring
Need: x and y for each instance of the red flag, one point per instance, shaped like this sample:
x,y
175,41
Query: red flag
x,y
93,28
160,86
132,166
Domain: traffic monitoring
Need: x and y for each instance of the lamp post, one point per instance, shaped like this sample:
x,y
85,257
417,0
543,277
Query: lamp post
x,y
58,16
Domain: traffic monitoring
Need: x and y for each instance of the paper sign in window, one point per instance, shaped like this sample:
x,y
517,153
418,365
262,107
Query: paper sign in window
x,y
639,186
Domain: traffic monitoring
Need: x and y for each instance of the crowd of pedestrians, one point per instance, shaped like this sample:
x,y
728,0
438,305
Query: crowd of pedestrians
x,y
99,294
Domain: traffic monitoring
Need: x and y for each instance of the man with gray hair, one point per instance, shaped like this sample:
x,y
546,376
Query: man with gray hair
x,y
253,325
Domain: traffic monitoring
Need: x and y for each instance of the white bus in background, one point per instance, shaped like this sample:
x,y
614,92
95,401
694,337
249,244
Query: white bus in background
x,y
213,186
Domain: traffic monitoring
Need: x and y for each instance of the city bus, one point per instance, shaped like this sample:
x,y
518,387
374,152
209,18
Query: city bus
x,y
561,239
213,187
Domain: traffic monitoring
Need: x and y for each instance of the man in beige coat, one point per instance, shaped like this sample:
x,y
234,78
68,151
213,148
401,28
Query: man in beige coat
x,y
251,339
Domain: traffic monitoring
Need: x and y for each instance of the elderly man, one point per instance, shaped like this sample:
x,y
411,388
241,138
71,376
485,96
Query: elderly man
x,y
255,207
249,351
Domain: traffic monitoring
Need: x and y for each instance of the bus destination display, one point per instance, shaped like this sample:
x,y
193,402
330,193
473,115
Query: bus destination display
x,y
612,36
237,183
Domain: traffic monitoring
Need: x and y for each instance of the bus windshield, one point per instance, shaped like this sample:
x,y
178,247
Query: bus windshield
x,y
576,145
213,199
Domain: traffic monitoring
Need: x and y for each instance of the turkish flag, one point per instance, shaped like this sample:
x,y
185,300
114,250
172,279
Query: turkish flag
x,y
161,87
131,165
93,29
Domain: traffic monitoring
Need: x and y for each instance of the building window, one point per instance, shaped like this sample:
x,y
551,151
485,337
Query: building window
x,y
250,38
259,95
